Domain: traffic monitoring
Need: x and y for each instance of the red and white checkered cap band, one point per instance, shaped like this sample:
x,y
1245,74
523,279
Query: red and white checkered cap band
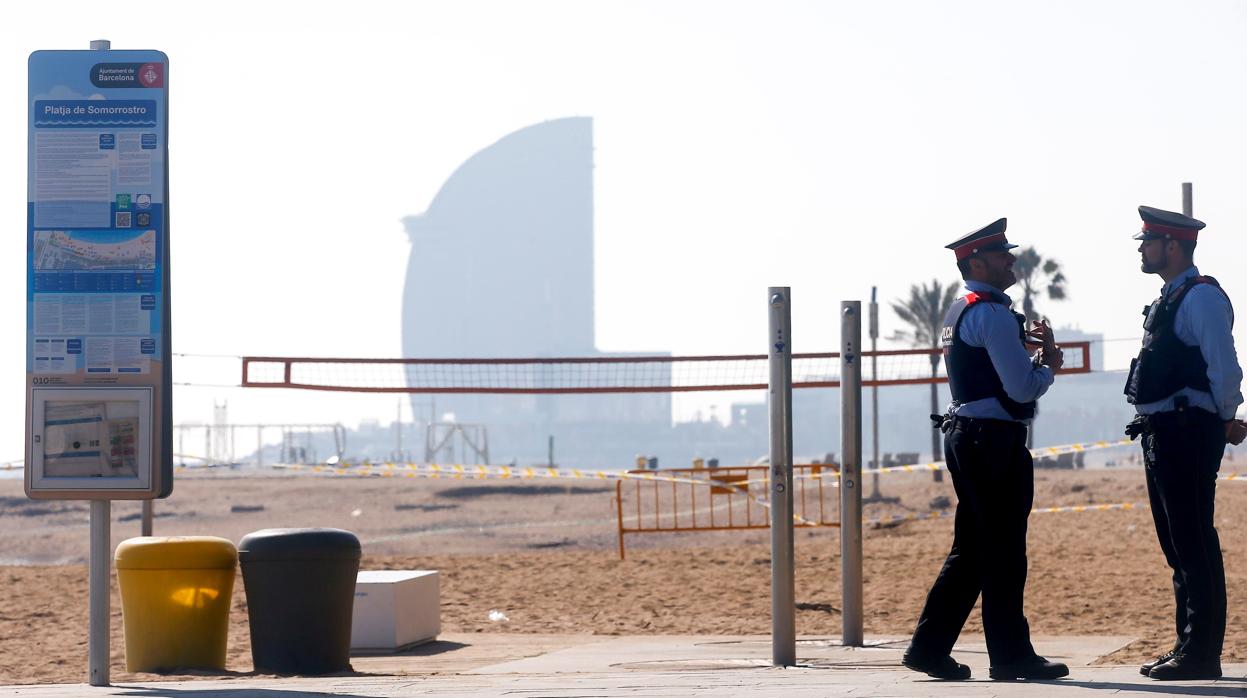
x,y
1170,231
975,246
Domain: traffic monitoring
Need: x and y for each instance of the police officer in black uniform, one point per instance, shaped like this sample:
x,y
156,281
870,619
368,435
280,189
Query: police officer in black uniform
x,y
995,383
1185,387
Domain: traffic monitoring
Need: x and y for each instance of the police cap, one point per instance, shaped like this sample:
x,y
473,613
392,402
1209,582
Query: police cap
x,y
985,239
1167,225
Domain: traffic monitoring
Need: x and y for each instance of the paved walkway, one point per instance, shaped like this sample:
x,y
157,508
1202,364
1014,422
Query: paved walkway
x,y
561,665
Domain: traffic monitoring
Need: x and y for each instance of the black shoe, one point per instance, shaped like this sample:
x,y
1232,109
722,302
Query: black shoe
x,y
1035,668
1144,669
1185,667
945,667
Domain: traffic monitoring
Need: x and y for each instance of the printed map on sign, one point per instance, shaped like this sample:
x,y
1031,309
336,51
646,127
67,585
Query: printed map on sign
x,y
65,250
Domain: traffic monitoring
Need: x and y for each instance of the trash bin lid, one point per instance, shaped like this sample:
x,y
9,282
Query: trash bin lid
x,y
176,553
299,544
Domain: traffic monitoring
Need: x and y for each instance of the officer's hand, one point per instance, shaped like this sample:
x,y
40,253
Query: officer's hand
x,y
1052,357
1042,333
1235,432
1035,332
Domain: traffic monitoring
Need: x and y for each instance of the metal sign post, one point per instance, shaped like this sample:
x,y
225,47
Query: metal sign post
x,y
98,594
851,470
98,344
783,587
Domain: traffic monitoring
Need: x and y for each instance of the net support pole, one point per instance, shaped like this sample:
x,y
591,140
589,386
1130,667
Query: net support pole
x,y
783,588
851,470
874,397
98,599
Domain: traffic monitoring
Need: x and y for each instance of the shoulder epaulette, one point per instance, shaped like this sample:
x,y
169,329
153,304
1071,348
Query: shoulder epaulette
x,y
1196,281
975,297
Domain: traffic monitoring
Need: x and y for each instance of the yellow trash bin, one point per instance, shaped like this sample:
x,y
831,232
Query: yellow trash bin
x,y
175,600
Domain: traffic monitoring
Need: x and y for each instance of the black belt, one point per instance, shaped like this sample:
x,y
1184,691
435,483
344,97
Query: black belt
x,y
1183,416
948,422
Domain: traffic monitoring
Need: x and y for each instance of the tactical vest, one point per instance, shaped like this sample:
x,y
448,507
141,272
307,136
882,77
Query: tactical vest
x,y
1165,365
971,375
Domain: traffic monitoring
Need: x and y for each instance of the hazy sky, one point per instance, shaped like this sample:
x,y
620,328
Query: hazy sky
x,y
827,146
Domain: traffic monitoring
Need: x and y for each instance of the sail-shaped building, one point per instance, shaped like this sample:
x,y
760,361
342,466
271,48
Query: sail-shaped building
x,y
502,266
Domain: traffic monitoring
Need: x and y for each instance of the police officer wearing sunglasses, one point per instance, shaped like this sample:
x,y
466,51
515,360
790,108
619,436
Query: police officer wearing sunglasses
x,y
995,382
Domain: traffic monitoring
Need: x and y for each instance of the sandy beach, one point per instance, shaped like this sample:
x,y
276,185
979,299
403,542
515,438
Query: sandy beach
x,y
545,554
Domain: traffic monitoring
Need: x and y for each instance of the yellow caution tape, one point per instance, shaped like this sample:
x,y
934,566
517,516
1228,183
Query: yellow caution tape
x,y
1035,453
930,515
488,471
481,472
1078,508
927,515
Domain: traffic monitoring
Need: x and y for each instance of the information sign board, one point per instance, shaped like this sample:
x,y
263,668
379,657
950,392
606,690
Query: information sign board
x,y
98,407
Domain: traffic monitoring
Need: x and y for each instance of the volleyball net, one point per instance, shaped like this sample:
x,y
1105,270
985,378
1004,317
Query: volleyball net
x,y
602,374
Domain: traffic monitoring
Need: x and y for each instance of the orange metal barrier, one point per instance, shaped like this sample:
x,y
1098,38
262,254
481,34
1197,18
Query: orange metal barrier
x,y
720,499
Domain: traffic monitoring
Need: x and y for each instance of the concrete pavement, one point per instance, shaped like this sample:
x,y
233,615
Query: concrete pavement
x,y
570,665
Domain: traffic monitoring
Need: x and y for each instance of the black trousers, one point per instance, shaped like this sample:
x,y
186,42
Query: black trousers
x,y
993,476
1182,453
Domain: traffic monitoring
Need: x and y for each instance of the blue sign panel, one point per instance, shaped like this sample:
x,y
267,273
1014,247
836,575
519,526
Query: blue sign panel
x,y
94,273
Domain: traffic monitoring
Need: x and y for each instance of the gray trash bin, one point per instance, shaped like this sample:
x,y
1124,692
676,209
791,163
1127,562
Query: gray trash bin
x,y
300,586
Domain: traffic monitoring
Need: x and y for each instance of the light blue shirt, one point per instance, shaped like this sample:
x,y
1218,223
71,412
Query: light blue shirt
x,y
993,327
1204,319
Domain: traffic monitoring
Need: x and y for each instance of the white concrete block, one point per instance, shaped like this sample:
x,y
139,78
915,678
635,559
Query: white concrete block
x,y
395,609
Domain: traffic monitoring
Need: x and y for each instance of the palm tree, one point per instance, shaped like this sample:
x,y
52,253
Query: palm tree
x,y
924,312
1036,275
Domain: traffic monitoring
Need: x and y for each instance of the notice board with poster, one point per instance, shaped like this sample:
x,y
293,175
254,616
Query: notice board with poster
x,y
98,371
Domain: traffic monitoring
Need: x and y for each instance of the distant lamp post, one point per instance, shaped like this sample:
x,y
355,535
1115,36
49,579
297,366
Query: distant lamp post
x,y
875,463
